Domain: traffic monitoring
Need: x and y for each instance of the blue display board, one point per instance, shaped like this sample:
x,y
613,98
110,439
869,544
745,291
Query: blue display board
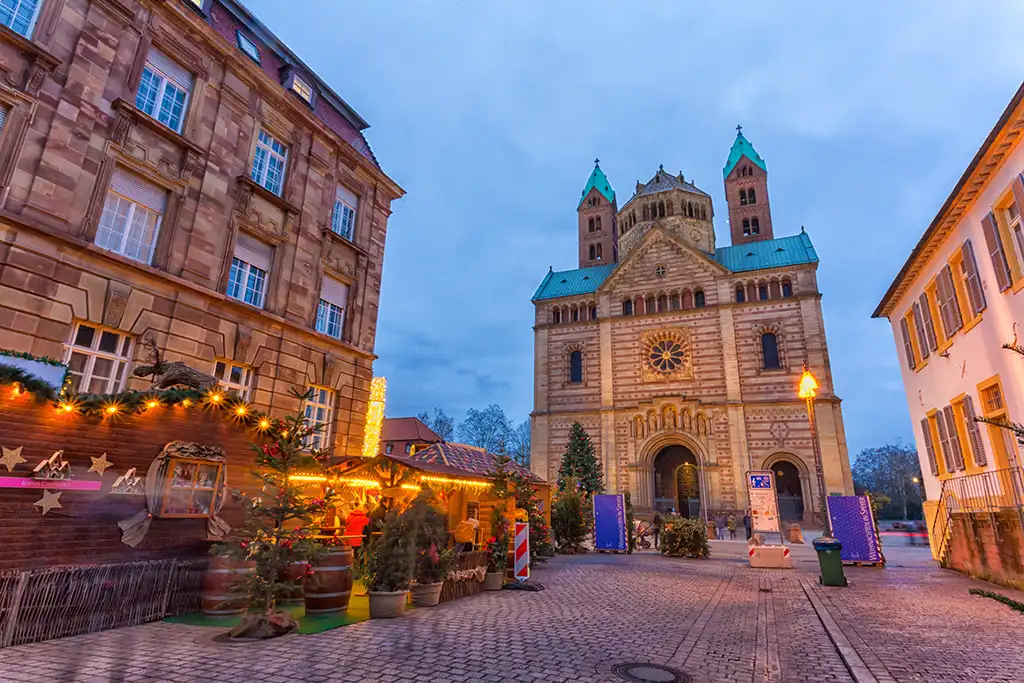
x,y
854,525
609,522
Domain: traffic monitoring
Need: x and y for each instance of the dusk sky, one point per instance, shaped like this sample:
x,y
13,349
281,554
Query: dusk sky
x,y
490,115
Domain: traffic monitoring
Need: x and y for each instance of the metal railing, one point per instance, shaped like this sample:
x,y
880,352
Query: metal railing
x,y
983,493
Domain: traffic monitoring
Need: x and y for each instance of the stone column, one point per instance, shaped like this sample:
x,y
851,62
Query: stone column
x,y
540,433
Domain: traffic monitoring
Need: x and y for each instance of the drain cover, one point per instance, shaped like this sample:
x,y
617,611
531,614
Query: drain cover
x,y
649,673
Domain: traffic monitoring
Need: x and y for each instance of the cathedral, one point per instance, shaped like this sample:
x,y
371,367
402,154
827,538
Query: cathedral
x,y
681,359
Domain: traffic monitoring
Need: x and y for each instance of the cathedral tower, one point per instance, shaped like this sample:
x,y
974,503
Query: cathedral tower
x,y
746,193
599,242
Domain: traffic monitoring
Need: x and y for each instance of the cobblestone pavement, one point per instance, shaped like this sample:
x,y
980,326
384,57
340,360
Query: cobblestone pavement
x,y
716,620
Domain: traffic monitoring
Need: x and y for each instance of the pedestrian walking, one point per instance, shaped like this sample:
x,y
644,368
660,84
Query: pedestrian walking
x,y
720,522
731,523
747,522
656,524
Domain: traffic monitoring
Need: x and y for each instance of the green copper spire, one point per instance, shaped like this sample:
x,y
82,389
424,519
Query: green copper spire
x,y
742,148
600,181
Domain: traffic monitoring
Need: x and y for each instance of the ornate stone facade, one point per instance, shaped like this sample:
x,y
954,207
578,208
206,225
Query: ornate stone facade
x,y
75,121
691,349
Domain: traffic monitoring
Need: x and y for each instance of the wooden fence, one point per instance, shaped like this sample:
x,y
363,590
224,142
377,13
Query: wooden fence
x,y
55,602
461,588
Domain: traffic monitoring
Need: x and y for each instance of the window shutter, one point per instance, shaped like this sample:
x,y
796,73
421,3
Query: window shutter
x,y
929,447
974,433
1018,193
334,292
949,308
954,439
906,344
348,197
996,252
177,73
138,190
253,251
929,324
922,340
947,457
975,294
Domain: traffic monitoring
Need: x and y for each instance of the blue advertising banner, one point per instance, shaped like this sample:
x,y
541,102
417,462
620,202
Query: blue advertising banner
x,y
609,522
854,525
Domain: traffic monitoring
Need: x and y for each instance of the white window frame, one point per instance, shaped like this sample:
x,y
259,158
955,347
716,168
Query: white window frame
x,y
324,311
158,103
321,400
249,47
246,270
343,219
261,170
1016,229
302,88
134,208
14,6
116,382
222,371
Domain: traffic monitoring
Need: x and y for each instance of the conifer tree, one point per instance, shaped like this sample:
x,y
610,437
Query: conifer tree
x,y
579,463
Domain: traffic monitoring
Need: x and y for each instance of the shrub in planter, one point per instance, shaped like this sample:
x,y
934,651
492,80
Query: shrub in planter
x,y
497,551
388,565
684,537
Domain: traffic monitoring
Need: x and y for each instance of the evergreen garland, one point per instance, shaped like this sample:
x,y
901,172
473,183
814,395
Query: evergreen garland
x,y
27,382
999,597
579,463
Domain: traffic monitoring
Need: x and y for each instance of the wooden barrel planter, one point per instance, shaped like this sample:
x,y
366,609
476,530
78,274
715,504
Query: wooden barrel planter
x,y
294,573
328,590
223,592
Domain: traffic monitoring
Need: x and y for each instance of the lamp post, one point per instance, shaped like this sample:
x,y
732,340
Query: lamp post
x,y
807,391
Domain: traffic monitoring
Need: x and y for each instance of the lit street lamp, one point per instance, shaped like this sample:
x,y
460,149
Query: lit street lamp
x,y
808,387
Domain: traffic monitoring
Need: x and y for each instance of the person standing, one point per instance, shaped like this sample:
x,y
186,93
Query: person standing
x,y
747,522
720,526
656,525
731,523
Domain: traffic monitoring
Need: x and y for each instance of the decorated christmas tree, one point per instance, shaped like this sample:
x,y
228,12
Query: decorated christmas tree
x,y
579,463
509,482
276,533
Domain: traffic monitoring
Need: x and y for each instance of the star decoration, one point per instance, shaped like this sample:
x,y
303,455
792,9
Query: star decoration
x,y
100,464
49,501
12,456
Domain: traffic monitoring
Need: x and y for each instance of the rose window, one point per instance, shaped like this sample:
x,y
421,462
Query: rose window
x,y
666,355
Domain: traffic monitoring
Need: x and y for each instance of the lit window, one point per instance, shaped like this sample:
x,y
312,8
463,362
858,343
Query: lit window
x,y
248,47
330,314
269,163
320,411
234,377
302,89
247,280
164,90
19,15
98,359
343,218
131,217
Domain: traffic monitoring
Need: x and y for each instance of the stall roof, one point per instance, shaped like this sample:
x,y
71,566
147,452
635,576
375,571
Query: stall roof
x,y
458,459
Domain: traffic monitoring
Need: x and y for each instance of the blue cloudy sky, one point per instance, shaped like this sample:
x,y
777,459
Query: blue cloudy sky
x,y
490,114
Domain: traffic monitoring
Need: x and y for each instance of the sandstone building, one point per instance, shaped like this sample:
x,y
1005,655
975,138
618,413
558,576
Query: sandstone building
x,y
171,169
680,359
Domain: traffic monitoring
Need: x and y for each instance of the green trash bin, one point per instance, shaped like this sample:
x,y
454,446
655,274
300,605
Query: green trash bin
x,y
829,561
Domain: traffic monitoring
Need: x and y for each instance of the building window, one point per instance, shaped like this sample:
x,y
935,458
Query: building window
x,y
20,15
949,307
650,305
576,367
627,307
698,298
967,268
755,227
1014,223
922,347
743,197
908,346
320,411
575,315
593,251
343,218
408,448
770,351
994,242
164,90
787,289
673,302
303,89
556,316
269,164
599,252
970,424
950,437
248,47
929,445
234,377
994,408
930,342
97,358
762,292
330,314
593,312
3,116
746,226
597,224
389,447
751,197
131,217
662,303
590,225
740,295
247,280
660,270
703,212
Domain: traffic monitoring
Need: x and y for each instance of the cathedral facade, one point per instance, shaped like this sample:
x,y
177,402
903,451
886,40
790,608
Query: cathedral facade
x,y
682,359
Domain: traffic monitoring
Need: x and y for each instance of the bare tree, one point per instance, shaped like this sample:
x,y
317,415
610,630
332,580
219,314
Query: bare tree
x,y
889,469
489,428
441,423
520,443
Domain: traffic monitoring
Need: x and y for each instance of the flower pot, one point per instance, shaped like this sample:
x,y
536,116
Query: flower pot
x,y
426,594
387,604
494,581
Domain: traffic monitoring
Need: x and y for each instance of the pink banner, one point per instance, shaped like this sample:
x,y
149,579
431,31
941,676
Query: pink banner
x,y
63,484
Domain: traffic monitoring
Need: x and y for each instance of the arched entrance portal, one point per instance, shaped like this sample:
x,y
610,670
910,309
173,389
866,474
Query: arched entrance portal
x,y
791,496
677,481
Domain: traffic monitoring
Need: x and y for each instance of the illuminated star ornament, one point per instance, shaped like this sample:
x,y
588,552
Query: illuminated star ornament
x,y
49,501
12,457
100,464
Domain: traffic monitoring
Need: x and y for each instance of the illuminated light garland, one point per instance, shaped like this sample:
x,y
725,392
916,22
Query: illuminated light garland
x,y
241,411
264,424
152,404
112,409
186,403
374,417
471,483
215,397
411,487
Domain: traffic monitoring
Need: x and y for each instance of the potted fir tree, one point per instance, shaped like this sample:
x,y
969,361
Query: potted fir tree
x,y
497,552
433,561
387,571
